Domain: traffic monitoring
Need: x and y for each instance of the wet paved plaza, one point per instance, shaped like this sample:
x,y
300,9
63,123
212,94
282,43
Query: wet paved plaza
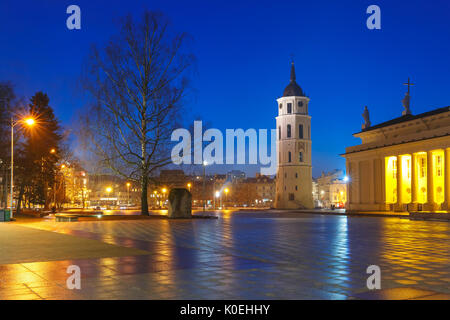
x,y
241,255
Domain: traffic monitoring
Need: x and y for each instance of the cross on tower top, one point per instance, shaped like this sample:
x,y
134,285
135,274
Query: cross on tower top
x,y
408,84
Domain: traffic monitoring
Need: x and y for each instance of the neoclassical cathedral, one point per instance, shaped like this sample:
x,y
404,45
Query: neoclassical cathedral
x,y
294,172
402,164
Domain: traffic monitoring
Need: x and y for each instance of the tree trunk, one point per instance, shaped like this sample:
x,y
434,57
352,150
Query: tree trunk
x,y
46,197
144,202
19,198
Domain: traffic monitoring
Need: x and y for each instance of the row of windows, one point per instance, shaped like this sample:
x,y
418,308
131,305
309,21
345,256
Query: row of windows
x,y
289,131
300,157
296,175
289,106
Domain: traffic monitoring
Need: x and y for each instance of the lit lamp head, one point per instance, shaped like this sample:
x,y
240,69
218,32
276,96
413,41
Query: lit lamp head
x,y
164,190
217,194
52,150
108,189
226,190
189,185
128,184
30,121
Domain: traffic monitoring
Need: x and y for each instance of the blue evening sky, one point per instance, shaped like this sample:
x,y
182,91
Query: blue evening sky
x,y
243,50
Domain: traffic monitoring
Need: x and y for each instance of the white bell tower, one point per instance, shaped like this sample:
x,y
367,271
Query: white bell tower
x,y
294,172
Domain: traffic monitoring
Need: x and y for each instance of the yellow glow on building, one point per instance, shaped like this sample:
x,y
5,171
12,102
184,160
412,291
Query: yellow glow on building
x,y
406,178
391,179
438,176
421,176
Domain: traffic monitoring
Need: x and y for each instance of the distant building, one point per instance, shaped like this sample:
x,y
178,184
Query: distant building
x,y
235,175
73,184
338,193
265,189
331,189
110,190
172,179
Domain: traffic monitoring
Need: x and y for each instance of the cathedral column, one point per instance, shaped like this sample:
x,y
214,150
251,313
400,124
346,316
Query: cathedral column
x,y
399,183
447,178
372,182
430,182
383,183
413,179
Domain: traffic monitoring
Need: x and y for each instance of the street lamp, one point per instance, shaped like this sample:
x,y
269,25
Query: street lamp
x,y
204,186
30,122
128,192
164,190
189,186
108,192
226,195
217,195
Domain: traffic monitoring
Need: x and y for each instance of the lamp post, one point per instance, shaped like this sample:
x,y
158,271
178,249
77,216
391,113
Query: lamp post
x,y
29,122
128,193
226,196
164,190
204,186
217,195
108,192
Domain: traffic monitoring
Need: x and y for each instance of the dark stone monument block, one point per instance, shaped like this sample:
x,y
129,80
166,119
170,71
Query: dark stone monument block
x,y
180,203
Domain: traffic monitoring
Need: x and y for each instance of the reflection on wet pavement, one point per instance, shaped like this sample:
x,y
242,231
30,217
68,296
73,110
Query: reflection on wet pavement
x,y
240,256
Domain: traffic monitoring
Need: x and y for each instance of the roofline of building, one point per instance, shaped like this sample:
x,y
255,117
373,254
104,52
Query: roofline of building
x,y
394,144
405,118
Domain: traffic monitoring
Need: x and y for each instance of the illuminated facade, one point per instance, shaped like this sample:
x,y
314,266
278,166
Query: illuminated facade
x,y
294,172
402,164
331,190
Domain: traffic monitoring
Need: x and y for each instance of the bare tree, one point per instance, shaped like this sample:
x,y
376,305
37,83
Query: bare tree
x,y
138,82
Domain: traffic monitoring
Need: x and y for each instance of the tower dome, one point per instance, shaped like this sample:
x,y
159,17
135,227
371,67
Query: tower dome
x,y
293,89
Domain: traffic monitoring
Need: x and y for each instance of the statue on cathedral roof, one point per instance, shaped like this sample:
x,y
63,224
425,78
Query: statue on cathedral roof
x,y
406,100
366,117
